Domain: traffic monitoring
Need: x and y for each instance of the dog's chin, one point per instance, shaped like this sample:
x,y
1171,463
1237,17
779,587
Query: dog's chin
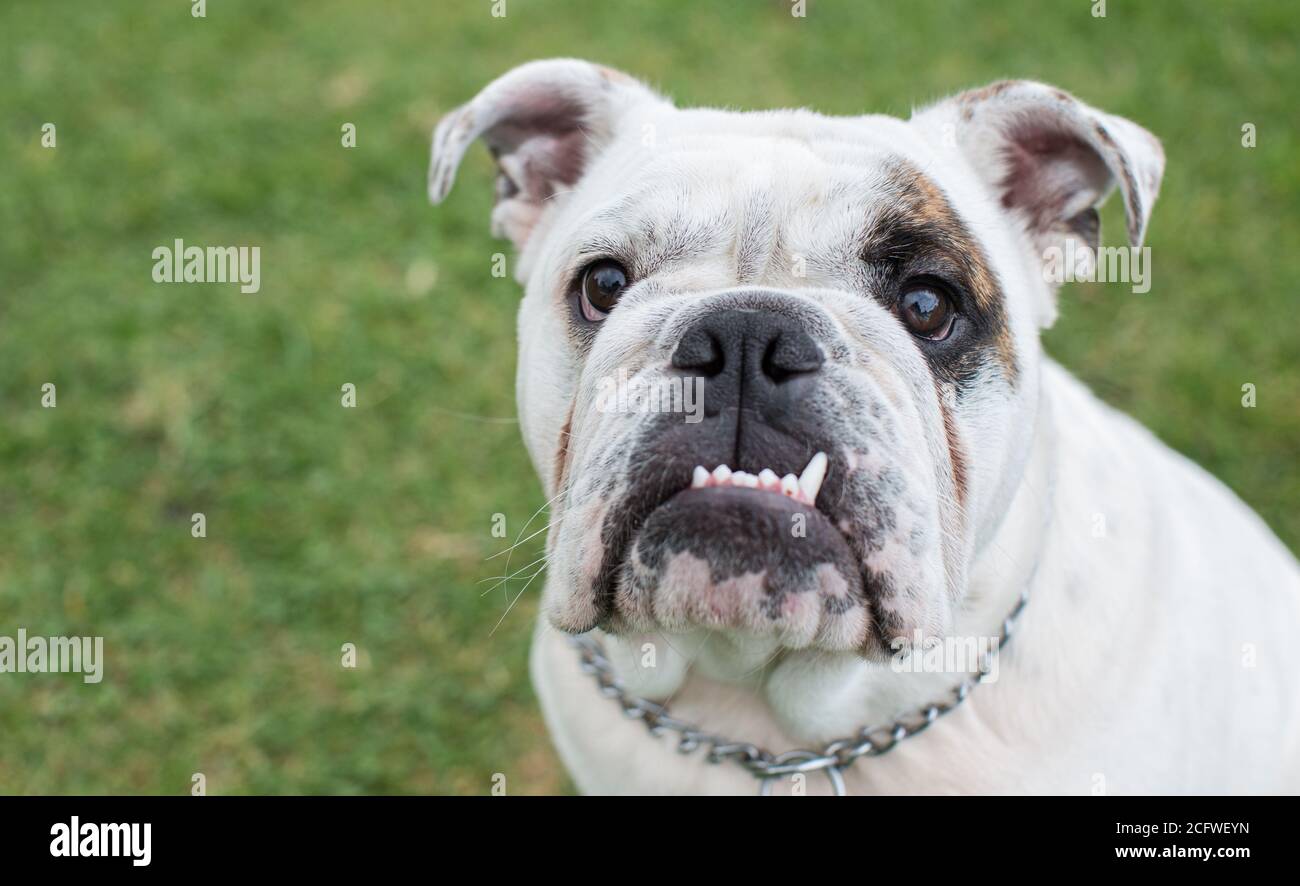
x,y
814,695
756,567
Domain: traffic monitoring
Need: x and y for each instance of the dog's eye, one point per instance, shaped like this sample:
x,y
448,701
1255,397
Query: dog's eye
x,y
602,284
927,310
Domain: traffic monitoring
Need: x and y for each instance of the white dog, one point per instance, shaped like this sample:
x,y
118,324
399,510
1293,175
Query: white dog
x,y
883,463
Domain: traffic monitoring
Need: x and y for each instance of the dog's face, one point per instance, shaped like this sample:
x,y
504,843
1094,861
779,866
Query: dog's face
x,y
778,370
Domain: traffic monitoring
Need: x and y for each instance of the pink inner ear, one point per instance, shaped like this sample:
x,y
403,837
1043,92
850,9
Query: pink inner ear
x,y
1051,175
548,160
544,132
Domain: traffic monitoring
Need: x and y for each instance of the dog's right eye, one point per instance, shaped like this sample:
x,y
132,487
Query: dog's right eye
x,y
602,283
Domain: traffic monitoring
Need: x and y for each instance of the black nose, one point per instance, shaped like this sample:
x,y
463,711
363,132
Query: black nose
x,y
750,359
757,347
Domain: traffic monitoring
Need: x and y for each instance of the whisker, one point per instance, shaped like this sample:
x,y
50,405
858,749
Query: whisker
x,y
518,543
502,579
529,522
539,571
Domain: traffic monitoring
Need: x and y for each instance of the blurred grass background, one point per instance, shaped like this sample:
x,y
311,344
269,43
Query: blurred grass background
x,y
371,525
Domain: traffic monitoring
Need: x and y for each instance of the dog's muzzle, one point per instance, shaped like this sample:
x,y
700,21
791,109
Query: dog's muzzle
x,y
730,521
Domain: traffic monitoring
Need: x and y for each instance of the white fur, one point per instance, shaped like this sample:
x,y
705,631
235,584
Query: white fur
x,y
1154,656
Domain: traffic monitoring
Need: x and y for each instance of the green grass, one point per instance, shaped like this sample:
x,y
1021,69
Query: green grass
x,y
371,525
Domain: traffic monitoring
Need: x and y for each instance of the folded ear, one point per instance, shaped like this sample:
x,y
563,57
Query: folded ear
x,y
1051,159
543,122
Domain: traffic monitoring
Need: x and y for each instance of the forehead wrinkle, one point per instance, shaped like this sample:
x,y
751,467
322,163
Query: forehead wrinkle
x,y
756,236
724,199
647,233
831,237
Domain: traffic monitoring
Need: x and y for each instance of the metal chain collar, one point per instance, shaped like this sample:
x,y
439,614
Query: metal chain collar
x,y
832,759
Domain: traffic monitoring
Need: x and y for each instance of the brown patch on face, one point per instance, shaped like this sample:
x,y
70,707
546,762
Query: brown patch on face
x,y
562,452
920,232
956,454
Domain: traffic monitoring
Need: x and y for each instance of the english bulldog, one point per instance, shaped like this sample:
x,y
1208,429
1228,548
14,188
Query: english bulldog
x,y
882,458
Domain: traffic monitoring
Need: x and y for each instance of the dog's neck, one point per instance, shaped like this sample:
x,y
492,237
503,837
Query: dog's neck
x,y
1007,565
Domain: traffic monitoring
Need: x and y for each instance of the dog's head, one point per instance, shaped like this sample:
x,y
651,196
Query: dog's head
x,y
779,370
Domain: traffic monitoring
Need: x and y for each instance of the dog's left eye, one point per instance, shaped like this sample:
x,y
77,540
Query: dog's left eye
x,y
927,310
602,284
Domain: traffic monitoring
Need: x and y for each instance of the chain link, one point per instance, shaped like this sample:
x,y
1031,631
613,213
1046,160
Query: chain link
x,y
870,741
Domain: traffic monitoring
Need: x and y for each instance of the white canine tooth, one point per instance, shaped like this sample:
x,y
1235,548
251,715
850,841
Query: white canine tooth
x,y
768,479
790,485
700,478
810,481
722,475
740,478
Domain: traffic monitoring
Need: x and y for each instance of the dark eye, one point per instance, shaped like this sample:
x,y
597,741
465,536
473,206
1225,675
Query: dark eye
x,y
927,310
602,284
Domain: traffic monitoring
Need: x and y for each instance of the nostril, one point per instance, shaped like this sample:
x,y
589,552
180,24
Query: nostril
x,y
700,351
771,368
791,353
